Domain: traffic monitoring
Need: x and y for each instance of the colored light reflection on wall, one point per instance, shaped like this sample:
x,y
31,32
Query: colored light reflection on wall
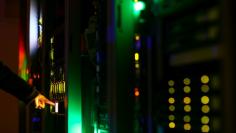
x,y
23,72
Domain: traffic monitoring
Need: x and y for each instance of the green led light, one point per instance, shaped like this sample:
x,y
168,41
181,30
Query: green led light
x,y
138,6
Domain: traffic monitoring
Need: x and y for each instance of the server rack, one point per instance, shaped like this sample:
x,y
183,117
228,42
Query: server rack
x,y
145,76
194,86
68,50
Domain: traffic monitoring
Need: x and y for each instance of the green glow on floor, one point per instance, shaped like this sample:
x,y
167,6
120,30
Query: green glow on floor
x,y
95,127
102,131
74,98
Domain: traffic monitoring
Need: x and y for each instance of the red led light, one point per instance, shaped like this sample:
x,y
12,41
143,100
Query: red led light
x,y
38,76
35,76
30,81
136,92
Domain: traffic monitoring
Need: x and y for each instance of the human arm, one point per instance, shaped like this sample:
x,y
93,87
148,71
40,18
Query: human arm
x,y
16,86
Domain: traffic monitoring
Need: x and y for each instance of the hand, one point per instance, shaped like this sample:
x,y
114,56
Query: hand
x,y
40,101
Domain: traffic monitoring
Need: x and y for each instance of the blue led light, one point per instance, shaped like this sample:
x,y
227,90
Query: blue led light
x,y
36,119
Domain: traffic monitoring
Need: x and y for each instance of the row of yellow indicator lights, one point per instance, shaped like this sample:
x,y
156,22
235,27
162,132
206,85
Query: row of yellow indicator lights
x,y
136,55
205,107
187,100
58,87
171,100
136,58
187,106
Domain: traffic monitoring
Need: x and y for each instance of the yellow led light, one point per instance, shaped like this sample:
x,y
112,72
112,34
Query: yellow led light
x,y
205,99
205,120
205,128
172,125
52,40
64,87
51,73
187,89
187,100
136,56
40,20
187,118
171,117
172,108
171,90
171,100
187,108
205,79
205,88
52,54
171,83
187,126
136,65
187,81
137,37
60,87
205,109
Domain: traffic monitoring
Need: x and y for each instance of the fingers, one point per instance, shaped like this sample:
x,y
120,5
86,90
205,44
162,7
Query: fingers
x,y
36,102
50,102
40,104
41,100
